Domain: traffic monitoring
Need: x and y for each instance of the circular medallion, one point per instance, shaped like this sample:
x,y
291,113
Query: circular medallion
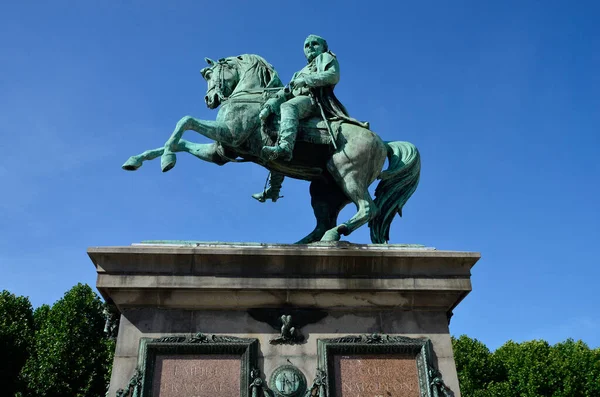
x,y
288,381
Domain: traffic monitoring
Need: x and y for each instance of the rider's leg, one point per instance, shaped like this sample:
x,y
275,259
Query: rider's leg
x,y
291,112
271,192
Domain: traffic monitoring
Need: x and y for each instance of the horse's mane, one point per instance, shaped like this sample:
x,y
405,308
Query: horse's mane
x,y
266,73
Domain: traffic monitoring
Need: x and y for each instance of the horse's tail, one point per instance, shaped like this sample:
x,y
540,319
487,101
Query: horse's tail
x,y
397,184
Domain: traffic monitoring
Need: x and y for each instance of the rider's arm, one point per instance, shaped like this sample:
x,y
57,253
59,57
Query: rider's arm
x,y
328,72
280,97
273,104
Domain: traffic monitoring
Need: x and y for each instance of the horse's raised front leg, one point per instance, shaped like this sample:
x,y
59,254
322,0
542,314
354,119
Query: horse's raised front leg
x,y
204,151
135,162
214,130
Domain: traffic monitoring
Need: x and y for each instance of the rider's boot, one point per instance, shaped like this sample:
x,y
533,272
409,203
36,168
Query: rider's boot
x,y
285,144
272,192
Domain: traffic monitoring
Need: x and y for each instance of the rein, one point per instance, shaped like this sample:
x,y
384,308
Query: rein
x,y
235,96
256,96
232,98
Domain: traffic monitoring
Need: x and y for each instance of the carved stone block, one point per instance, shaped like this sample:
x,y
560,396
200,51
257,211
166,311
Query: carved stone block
x,y
199,365
379,365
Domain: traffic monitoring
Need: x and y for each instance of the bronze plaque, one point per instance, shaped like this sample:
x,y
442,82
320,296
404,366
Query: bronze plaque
x,y
196,375
385,375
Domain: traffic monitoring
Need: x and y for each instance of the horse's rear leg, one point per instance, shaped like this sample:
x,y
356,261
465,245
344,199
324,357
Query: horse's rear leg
x,y
354,168
327,200
366,209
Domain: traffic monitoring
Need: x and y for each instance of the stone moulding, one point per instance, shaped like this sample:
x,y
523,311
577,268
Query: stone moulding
x,y
430,379
246,348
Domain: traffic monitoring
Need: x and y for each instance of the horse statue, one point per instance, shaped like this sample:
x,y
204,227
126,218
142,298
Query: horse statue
x,y
340,164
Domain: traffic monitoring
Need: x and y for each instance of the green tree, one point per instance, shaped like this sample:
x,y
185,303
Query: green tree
x,y
16,337
72,354
576,368
40,315
528,369
478,369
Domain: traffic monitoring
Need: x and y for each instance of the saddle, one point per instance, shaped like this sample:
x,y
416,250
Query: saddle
x,y
312,130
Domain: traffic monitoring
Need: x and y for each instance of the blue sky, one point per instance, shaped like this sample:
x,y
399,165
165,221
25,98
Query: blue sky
x,y
501,98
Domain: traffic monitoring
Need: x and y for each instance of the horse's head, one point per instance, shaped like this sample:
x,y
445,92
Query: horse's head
x,y
242,73
222,77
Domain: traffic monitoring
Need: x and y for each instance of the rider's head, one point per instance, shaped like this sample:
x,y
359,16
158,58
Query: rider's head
x,y
314,46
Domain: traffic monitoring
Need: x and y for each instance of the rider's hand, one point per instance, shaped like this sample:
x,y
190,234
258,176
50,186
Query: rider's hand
x,y
300,82
264,113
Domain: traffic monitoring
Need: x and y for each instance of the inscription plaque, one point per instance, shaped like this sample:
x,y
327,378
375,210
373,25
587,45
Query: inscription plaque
x,y
197,365
196,376
376,375
379,365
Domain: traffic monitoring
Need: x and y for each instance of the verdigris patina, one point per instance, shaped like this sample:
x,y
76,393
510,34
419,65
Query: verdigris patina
x,y
300,131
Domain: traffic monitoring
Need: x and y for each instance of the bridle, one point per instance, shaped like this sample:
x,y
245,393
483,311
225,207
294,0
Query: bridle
x,y
220,85
234,96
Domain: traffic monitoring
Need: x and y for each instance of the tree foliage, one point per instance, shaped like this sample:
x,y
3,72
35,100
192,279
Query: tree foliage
x,y
40,315
16,337
528,369
71,355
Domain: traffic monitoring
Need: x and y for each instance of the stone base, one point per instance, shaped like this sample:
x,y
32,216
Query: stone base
x,y
174,289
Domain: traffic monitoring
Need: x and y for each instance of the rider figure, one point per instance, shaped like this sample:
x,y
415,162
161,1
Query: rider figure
x,y
315,82
295,102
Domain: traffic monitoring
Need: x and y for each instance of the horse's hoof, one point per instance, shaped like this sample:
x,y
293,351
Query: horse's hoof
x,y
167,161
132,164
331,235
343,230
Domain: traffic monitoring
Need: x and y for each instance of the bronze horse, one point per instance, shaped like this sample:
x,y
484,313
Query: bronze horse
x,y
240,86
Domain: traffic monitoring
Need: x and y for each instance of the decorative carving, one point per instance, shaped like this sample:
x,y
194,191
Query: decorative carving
x,y
201,338
429,379
377,339
288,322
289,335
438,385
319,385
113,317
258,387
134,386
287,381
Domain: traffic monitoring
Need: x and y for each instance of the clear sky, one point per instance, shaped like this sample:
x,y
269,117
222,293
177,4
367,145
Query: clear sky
x,y
501,98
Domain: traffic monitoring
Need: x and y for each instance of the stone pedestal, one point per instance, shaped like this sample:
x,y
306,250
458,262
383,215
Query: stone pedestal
x,y
238,289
